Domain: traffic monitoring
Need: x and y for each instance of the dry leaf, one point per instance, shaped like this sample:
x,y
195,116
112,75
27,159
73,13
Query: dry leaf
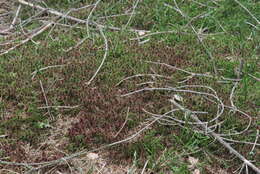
x,y
92,156
193,161
196,171
141,33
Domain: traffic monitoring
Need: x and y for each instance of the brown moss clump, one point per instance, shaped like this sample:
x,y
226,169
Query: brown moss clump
x,y
103,115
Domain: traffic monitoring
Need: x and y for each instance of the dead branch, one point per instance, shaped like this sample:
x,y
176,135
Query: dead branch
x,y
217,137
239,3
91,23
46,100
15,18
104,56
28,38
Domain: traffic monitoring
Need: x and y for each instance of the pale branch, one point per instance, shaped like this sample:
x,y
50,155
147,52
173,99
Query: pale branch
x,y
141,75
14,19
254,77
183,90
218,138
90,15
34,73
28,38
59,107
57,13
176,8
46,100
126,119
132,14
104,56
191,74
255,143
239,3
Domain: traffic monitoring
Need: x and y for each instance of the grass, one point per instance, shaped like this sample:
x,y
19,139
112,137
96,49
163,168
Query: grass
x,y
102,112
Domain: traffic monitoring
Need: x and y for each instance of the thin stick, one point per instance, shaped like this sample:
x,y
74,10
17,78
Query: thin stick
x,y
232,95
147,33
92,23
59,107
256,139
116,15
132,14
140,75
28,38
144,167
104,56
90,15
179,69
46,100
239,74
196,33
15,18
257,79
78,44
241,142
258,22
206,49
126,119
52,66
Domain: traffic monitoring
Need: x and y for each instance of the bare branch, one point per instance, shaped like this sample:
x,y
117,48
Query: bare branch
x,y
219,138
54,12
104,57
239,3
28,38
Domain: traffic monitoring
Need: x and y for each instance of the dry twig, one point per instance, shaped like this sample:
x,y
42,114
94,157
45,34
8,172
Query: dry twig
x,y
28,38
46,100
219,138
92,23
104,56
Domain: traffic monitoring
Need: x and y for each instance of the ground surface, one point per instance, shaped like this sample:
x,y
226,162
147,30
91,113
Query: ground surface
x,y
207,52
5,8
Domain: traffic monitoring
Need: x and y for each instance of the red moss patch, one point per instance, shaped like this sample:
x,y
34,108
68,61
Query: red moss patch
x,y
103,115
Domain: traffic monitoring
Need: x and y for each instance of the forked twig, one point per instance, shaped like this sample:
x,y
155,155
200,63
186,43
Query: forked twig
x,y
28,38
57,13
196,33
34,73
219,138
